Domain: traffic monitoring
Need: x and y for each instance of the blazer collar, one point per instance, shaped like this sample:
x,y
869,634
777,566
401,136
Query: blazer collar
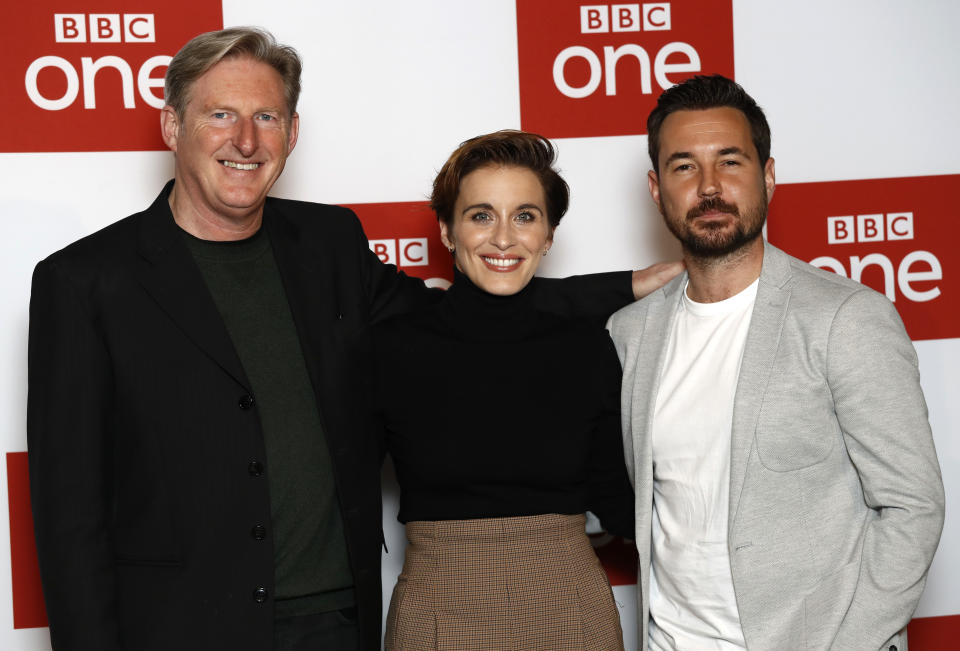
x,y
651,353
169,274
307,261
760,349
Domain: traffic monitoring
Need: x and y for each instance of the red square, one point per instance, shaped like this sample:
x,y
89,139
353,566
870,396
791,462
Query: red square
x,y
895,235
93,81
597,69
28,607
406,234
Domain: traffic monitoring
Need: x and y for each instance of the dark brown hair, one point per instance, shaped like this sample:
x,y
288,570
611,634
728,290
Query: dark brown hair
x,y
706,92
508,147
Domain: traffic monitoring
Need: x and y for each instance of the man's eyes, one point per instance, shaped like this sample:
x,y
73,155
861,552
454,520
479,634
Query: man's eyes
x,y
260,117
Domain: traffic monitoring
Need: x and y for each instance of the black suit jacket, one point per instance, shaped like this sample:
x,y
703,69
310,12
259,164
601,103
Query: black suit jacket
x,y
147,461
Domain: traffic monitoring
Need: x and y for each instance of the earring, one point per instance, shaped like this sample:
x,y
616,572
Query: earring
x,y
545,251
451,248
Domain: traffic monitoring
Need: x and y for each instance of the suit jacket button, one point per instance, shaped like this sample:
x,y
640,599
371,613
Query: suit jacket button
x,y
259,532
255,468
260,595
246,401
893,647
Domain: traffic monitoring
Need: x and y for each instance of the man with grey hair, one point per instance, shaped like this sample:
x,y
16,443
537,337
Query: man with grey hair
x,y
204,470
788,494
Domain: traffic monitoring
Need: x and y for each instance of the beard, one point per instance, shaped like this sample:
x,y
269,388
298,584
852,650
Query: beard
x,y
718,239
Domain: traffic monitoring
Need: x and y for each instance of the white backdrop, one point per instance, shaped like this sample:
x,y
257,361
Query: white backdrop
x,y
855,89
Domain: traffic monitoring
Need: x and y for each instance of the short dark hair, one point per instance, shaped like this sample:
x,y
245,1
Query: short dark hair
x,y
507,147
207,50
706,92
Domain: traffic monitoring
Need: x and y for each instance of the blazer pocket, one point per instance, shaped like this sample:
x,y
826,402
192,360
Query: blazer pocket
x,y
794,432
146,562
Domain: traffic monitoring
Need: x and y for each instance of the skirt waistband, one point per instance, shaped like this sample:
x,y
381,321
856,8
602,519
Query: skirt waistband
x,y
549,526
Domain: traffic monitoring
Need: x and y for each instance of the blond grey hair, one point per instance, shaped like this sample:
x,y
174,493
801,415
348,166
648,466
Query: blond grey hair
x,y
207,50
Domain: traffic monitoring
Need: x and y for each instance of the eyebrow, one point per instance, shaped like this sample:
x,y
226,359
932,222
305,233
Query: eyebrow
x,y
485,206
726,151
528,206
677,155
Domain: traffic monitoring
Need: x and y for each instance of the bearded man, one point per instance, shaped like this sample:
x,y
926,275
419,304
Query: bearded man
x,y
788,493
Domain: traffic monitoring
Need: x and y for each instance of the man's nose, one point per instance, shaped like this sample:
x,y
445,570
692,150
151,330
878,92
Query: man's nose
x,y
709,185
245,138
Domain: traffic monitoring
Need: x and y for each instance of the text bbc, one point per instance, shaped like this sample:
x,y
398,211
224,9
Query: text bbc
x,y
104,28
601,19
404,252
870,228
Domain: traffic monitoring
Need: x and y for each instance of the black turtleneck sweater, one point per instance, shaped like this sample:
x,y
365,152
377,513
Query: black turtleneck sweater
x,y
494,409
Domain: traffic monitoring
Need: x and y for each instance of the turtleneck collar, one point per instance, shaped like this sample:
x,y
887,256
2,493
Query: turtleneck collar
x,y
486,316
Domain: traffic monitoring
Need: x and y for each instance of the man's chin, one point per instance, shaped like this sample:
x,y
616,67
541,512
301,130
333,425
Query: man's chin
x,y
717,247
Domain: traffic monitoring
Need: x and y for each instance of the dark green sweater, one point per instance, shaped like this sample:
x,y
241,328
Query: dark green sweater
x,y
311,568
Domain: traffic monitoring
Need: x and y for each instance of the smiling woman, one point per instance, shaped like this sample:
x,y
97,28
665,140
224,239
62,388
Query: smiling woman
x,y
505,430
499,246
499,200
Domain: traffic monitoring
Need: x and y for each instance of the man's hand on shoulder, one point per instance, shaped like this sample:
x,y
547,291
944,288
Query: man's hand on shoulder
x,y
654,277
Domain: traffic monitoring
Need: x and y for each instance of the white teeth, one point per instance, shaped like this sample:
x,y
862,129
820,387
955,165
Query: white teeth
x,y
240,166
502,262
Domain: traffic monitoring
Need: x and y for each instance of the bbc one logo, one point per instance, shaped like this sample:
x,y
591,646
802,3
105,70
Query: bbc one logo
x,y
597,69
894,235
918,266
93,80
99,28
603,19
403,252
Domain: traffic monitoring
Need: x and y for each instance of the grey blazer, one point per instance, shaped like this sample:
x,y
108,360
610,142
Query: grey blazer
x,y
836,499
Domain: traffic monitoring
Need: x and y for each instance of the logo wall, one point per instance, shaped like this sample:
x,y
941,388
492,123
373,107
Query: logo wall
x,y
597,69
89,76
406,234
897,236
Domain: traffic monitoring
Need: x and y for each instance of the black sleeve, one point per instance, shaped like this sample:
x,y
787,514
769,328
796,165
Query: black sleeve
x,y
611,495
70,454
389,292
592,296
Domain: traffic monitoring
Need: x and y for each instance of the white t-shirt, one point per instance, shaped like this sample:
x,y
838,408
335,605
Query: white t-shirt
x,y
692,603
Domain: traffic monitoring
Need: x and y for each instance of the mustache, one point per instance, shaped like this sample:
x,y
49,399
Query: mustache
x,y
714,204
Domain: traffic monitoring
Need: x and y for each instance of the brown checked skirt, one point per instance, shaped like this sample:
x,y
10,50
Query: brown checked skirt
x,y
502,584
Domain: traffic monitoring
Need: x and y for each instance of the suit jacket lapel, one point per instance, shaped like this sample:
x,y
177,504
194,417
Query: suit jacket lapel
x,y
760,349
169,274
309,277
647,365
650,357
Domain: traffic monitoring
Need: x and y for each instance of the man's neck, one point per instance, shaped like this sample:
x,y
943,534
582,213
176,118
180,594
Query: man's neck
x,y
717,279
207,225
